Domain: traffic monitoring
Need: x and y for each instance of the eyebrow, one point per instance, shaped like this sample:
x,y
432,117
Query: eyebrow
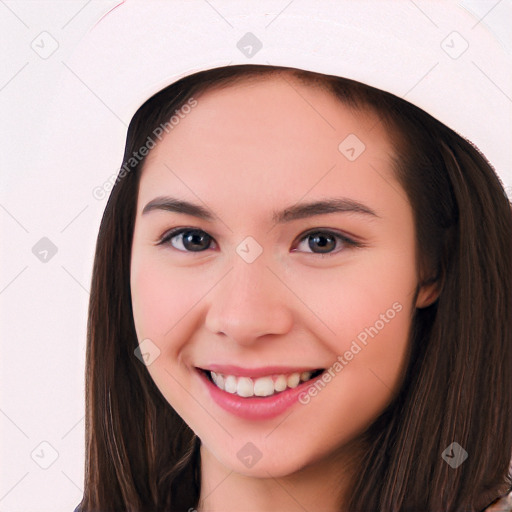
x,y
298,211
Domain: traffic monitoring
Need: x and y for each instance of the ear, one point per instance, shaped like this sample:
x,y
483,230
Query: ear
x,y
428,293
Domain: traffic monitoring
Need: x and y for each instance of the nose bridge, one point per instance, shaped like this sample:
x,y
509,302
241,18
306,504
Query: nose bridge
x,y
249,302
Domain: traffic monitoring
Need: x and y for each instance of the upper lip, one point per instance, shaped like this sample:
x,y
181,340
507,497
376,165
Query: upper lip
x,y
238,371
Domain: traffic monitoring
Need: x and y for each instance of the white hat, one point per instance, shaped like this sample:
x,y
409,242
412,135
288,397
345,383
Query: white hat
x,y
438,57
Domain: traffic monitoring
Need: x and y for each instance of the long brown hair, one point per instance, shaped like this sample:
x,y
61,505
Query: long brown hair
x,y
140,454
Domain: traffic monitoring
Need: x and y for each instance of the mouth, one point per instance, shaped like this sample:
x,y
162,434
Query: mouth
x,y
265,386
256,398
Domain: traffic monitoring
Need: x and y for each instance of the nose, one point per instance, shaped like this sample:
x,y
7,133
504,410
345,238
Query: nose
x,y
251,301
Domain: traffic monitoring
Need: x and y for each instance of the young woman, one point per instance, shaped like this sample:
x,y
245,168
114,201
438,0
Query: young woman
x,y
300,301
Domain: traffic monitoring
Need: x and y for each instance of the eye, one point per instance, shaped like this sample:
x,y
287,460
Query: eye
x,y
326,242
190,239
197,240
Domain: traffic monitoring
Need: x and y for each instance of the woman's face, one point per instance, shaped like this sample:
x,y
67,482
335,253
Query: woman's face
x,y
264,288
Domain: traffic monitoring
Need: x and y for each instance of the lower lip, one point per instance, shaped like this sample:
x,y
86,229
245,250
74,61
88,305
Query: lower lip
x,y
256,408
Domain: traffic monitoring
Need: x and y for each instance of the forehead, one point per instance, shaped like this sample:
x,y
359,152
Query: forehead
x,y
273,110
269,137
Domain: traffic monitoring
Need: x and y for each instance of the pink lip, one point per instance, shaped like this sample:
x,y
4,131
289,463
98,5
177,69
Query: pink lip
x,y
237,371
255,408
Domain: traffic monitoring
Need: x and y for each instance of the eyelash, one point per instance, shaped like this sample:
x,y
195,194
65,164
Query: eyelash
x,y
167,237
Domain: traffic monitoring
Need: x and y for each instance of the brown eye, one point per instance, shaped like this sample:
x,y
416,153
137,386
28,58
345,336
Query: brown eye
x,y
190,240
321,243
324,242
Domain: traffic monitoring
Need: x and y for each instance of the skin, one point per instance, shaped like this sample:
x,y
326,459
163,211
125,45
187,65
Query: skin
x,y
243,159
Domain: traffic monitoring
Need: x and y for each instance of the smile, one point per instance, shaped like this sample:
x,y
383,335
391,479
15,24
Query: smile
x,y
261,386
264,395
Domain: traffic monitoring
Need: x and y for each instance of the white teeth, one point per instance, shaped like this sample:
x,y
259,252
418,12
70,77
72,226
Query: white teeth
x,y
245,387
230,384
263,386
293,380
218,379
280,383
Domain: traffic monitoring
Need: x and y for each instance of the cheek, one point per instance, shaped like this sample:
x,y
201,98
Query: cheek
x,y
370,313
150,300
159,302
368,301
158,297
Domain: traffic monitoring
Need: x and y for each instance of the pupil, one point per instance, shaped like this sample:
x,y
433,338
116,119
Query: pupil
x,y
317,239
194,238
